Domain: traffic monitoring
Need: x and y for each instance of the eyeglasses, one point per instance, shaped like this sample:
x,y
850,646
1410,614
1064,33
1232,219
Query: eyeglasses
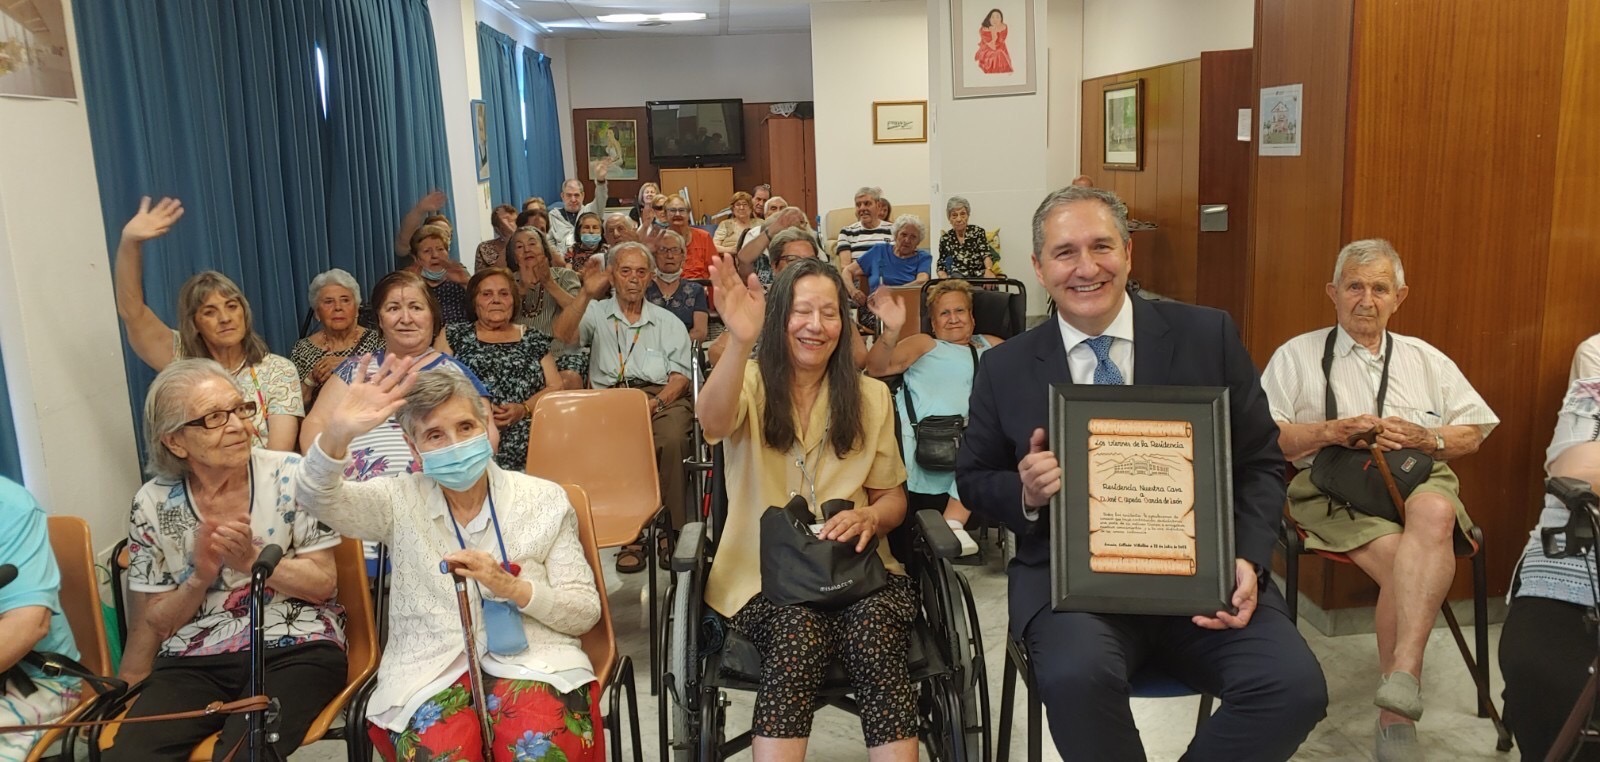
x,y
678,210
217,419
668,250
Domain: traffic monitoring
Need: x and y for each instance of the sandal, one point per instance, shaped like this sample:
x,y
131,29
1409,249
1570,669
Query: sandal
x,y
664,551
630,559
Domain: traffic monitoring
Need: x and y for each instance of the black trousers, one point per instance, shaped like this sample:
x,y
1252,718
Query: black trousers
x,y
1270,685
1545,653
303,678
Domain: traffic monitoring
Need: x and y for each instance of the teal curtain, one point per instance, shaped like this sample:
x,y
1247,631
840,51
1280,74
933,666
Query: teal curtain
x,y
508,154
544,125
10,458
220,105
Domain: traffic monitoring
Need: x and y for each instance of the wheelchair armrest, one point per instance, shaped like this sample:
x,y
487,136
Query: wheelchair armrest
x,y
937,533
690,549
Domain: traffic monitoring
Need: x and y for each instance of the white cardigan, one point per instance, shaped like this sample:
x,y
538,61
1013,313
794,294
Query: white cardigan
x,y
541,535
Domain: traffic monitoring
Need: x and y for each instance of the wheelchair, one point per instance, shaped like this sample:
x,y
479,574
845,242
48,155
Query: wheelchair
x,y
706,658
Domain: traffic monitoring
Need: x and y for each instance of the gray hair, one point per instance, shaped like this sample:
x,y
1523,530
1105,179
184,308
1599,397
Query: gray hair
x,y
335,277
956,202
668,234
166,410
572,181
617,217
614,254
774,199
1070,194
764,186
787,236
1369,251
874,193
908,219
434,388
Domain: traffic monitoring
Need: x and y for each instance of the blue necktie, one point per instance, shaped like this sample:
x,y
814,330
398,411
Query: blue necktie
x,y
1105,372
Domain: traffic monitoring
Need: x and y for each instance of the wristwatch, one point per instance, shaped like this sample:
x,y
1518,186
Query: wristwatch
x,y
660,404
1438,442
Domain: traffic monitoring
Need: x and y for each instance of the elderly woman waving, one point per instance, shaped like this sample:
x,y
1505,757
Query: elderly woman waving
x,y
514,535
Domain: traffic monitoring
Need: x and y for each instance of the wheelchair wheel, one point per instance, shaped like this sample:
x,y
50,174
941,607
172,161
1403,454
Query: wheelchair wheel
x,y
943,733
712,718
679,694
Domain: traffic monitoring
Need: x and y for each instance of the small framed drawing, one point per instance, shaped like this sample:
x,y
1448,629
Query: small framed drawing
x,y
480,139
1124,125
899,121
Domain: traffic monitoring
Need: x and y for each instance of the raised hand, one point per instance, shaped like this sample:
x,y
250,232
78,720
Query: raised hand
x,y
1040,472
596,281
152,221
601,168
370,401
790,217
742,304
434,201
890,311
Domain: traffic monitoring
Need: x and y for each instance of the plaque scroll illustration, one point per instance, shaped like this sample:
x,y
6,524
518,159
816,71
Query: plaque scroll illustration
x,y
1141,497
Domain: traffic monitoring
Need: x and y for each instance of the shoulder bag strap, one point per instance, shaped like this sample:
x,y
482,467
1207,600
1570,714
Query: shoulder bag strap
x,y
1330,408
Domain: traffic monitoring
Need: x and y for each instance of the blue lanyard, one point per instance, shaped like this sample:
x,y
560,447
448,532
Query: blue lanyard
x,y
505,560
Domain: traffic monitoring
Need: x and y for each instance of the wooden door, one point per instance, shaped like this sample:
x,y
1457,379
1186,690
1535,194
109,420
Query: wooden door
x,y
1222,257
786,154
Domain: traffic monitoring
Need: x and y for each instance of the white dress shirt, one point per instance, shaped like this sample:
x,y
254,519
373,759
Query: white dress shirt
x,y
1586,361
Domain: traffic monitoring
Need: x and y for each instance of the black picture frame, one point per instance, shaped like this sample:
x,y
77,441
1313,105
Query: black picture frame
x,y
1077,587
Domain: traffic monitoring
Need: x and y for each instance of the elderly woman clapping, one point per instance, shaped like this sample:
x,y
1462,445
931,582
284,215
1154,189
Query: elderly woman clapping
x,y
214,322
336,300
194,532
514,535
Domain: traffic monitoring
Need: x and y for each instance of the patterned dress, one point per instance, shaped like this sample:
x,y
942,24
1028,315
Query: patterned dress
x,y
305,356
687,299
968,258
511,372
453,300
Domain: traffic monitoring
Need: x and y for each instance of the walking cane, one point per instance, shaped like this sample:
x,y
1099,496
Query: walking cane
x,y
480,704
1369,440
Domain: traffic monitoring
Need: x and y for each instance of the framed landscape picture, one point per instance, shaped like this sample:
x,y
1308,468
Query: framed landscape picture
x,y
1124,125
616,142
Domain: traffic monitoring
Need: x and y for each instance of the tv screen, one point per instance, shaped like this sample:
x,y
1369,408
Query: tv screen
x,y
695,132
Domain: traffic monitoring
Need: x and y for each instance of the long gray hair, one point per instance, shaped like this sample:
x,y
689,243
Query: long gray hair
x,y
166,410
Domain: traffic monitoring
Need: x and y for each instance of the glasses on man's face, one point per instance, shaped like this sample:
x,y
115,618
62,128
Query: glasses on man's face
x,y
217,419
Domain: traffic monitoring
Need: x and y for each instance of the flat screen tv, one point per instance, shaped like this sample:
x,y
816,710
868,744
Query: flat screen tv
x,y
686,133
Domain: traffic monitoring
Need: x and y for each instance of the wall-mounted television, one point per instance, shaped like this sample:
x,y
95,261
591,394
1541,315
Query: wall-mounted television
x,y
686,133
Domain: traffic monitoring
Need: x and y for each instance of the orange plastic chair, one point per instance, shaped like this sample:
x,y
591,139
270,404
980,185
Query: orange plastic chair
x,y
80,601
613,669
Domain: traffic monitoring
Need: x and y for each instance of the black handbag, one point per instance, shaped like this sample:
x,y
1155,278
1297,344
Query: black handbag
x,y
938,436
799,568
1348,476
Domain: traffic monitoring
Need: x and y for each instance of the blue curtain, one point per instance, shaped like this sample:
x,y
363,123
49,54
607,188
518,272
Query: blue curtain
x,y
10,458
544,125
219,104
508,156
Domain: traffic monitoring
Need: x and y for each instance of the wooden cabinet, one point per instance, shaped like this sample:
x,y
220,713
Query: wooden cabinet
x,y
709,187
792,161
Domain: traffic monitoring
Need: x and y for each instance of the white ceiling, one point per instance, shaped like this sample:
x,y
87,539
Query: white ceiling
x,y
575,19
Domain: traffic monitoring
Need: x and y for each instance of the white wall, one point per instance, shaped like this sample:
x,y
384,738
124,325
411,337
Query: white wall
x,y
864,52
1123,35
1064,41
58,326
455,37
628,72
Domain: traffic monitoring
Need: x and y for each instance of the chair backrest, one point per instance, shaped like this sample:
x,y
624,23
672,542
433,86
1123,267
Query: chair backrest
x,y
600,642
80,590
1002,312
599,439
360,629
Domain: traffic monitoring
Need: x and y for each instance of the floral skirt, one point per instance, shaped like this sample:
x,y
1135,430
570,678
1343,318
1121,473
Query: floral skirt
x,y
531,721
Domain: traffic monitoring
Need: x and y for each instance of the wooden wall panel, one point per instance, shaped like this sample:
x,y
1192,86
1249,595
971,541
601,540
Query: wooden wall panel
x,y
1222,176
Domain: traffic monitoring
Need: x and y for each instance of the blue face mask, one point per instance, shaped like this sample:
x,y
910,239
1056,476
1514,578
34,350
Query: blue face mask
x,y
460,465
658,222
589,240
432,275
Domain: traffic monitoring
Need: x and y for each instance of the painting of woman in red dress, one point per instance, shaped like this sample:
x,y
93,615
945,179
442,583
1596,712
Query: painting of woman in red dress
x,y
992,56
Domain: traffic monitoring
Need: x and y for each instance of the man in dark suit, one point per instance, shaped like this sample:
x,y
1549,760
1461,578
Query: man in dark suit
x,y
1271,688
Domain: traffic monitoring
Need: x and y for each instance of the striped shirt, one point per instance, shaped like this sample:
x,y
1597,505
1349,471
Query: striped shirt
x,y
857,239
1425,386
1563,579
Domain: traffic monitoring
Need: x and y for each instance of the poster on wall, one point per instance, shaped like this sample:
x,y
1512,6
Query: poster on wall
x,y
34,59
1124,130
991,47
480,139
615,141
1280,121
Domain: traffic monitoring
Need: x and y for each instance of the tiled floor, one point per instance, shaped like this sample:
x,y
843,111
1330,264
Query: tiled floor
x,y
1450,730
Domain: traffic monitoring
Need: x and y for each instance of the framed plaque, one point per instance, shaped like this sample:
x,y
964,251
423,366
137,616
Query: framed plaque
x,y
1143,523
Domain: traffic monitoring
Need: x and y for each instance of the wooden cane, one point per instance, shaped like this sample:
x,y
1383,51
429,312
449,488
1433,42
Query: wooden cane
x,y
1369,440
480,703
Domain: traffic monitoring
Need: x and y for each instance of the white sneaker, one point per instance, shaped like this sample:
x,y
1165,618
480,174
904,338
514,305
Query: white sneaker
x,y
969,546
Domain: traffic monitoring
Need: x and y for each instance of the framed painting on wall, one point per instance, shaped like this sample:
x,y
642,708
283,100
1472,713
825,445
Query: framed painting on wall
x,y
480,139
1124,126
991,48
615,141
899,121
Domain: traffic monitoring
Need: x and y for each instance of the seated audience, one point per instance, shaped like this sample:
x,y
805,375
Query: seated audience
x,y
635,344
1547,644
336,300
788,245
1415,397
763,266
892,264
867,231
885,209
564,218
514,363
739,219
514,535
408,317
31,619
214,322
759,197
532,202
618,228
802,420
441,221
504,221
539,220
546,290
195,530
653,216
426,207
590,242
446,278
669,289
938,380
1586,361
964,250
644,208
698,247
1270,688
